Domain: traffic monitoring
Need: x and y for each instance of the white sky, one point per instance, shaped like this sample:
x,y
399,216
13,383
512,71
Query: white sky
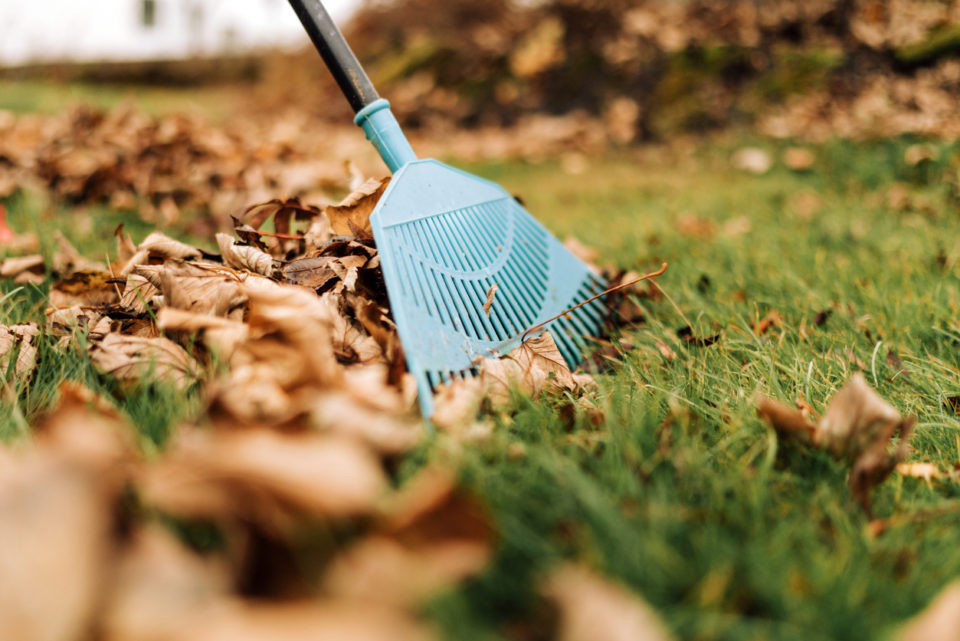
x,y
93,30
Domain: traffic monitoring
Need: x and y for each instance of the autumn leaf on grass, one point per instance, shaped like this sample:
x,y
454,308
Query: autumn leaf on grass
x,y
858,426
17,340
24,269
591,607
532,367
131,358
352,215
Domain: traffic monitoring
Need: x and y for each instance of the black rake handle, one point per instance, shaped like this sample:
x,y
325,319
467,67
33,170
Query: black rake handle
x,y
336,53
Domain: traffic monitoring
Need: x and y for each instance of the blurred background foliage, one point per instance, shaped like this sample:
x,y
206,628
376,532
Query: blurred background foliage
x,y
638,69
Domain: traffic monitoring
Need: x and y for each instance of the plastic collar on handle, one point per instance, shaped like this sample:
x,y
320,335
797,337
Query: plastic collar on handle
x,y
383,130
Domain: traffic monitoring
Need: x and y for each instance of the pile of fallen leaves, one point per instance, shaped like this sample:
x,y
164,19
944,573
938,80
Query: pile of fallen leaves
x,y
274,517
164,166
299,317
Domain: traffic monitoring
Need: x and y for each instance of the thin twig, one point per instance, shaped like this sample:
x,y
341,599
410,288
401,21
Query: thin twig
x,y
537,328
274,234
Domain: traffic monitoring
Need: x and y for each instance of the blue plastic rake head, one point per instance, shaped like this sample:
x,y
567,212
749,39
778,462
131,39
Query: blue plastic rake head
x,y
446,238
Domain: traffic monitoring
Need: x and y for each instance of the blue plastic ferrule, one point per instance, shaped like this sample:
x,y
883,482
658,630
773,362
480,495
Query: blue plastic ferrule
x,y
383,130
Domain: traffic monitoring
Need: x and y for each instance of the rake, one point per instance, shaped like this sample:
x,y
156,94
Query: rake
x,y
448,240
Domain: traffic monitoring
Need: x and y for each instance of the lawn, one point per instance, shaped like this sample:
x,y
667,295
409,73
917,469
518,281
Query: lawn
x,y
682,492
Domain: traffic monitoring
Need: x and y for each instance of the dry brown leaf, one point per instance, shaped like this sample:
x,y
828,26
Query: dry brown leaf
x,y
309,272
587,254
491,293
24,269
131,358
88,428
221,335
352,214
940,621
55,524
379,569
18,339
591,607
857,426
126,250
84,287
542,366
388,431
244,256
199,288
139,295
160,245
265,477
161,590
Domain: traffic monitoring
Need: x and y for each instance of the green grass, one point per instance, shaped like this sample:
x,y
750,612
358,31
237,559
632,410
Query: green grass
x,y
684,494
44,96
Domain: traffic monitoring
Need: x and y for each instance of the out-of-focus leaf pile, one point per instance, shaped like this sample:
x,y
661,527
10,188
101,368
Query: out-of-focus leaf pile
x,y
622,69
175,163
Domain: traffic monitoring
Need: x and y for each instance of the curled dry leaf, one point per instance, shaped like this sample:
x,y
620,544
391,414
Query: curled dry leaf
x,y
87,428
159,245
220,335
857,426
18,340
265,477
139,295
24,269
132,358
591,607
352,215
244,256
